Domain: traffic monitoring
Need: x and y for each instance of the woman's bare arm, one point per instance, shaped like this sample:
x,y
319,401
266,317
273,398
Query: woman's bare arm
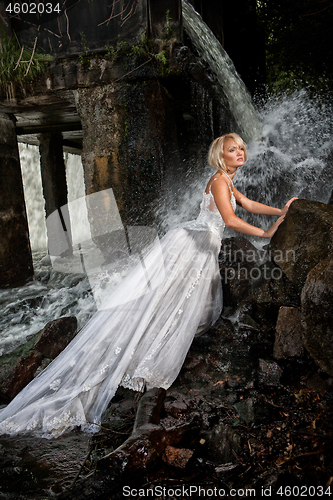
x,y
259,208
221,193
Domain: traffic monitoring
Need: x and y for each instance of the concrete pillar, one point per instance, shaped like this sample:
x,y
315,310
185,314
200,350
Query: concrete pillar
x,y
53,172
128,133
15,253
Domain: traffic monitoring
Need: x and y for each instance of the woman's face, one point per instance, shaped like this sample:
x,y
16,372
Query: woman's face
x,y
233,154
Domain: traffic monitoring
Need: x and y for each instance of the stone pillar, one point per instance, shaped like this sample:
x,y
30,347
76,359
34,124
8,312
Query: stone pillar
x,y
16,266
55,194
128,133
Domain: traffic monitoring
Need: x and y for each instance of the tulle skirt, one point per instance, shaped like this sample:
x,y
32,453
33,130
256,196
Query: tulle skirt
x,y
139,339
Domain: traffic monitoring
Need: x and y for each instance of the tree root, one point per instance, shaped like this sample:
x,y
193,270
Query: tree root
x,y
135,456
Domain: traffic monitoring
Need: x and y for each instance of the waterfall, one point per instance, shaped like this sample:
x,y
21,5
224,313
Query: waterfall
x,y
33,193
34,200
219,62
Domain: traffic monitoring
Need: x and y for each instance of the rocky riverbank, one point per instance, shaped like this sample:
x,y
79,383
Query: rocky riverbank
x,y
251,409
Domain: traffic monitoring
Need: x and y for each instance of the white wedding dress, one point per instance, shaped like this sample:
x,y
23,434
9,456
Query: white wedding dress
x,y
139,340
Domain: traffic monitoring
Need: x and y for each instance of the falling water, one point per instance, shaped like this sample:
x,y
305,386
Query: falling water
x,y
219,62
29,157
294,157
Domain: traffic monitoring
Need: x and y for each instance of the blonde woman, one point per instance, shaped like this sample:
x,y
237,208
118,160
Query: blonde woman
x,y
141,337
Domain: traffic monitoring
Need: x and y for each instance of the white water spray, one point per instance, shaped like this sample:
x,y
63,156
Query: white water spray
x,y
295,155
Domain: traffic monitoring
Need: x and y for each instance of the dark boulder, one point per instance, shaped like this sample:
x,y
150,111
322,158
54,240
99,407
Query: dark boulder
x,y
251,278
288,334
317,314
303,239
56,336
20,366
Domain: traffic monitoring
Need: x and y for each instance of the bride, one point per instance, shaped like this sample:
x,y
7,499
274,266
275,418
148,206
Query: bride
x,y
141,337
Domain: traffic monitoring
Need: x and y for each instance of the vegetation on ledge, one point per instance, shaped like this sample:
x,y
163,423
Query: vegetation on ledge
x,y
19,65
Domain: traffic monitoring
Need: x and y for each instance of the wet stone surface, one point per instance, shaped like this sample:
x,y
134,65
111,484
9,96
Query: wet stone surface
x,y
256,429
40,468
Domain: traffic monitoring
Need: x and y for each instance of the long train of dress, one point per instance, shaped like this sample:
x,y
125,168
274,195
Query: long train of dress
x,y
139,340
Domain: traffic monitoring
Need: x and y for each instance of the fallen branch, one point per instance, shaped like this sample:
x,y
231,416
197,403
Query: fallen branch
x,y
147,441
135,456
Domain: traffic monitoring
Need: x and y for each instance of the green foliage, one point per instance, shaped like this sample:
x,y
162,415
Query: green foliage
x,y
112,53
18,65
84,43
84,58
143,48
161,57
144,51
168,28
299,43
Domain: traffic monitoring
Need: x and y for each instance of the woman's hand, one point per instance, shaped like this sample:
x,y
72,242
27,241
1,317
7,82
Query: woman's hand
x,y
284,210
272,230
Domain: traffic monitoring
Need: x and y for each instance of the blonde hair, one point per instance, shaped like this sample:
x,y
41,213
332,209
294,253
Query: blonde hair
x,y
215,153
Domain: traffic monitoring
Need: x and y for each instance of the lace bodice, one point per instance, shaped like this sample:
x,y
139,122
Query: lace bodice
x,y
209,216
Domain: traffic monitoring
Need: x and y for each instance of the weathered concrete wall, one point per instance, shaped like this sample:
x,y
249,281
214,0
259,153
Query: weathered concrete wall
x,y
125,134
15,253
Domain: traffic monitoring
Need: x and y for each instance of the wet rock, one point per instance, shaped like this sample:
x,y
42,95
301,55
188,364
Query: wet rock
x,y
255,411
56,336
22,373
145,445
226,469
288,334
250,277
303,239
37,469
317,383
238,258
7,366
177,457
20,366
269,373
317,314
220,443
175,408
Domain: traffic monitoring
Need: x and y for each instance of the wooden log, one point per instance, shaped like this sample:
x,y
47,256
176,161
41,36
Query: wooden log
x,y
147,441
136,455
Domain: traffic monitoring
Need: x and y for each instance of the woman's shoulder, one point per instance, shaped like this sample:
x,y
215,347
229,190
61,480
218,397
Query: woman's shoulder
x,y
217,180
